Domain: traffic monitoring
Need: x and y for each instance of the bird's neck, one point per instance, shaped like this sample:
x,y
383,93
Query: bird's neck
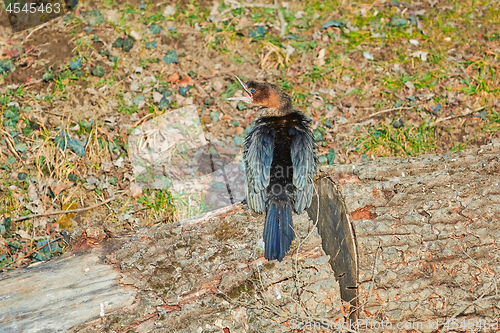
x,y
277,104
275,112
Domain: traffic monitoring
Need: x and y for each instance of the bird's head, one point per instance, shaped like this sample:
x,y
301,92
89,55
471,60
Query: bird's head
x,y
266,95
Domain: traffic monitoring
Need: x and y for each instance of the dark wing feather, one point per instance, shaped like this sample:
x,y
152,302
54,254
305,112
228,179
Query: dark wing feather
x,y
258,157
304,165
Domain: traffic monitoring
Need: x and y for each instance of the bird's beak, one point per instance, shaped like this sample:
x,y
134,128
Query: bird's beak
x,y
247,99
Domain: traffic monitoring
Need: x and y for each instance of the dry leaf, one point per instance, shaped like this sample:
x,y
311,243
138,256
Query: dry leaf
x,y
174,78
157,97
23,234
65,220
239,130
12,53
411,87
32,193
135,190
61,186
244,22
186,81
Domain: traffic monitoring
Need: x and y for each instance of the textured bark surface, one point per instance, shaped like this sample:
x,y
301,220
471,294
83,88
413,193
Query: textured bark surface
x,y
409,240
55,295
427,232
208,275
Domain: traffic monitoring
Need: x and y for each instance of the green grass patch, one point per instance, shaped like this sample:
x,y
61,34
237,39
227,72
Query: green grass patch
x,y
385,140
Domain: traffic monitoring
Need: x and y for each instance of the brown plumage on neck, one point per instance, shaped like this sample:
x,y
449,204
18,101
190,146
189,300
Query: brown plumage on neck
x,y
273,100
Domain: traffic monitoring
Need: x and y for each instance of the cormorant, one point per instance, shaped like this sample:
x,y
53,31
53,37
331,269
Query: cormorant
x,y
280,161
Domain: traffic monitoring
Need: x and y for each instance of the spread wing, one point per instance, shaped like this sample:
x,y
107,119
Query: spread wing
x,y
258,157
304,162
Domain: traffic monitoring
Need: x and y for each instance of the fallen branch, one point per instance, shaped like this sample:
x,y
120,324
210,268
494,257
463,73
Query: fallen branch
x,y
32,251
387,110
63,211
38,28
9,140
143,119
32,82
459,116
281,18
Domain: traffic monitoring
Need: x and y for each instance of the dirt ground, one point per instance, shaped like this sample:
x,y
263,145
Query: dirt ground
x,y
381,78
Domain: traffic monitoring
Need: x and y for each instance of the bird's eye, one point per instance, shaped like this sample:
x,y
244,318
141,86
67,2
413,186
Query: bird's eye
x,y
252,90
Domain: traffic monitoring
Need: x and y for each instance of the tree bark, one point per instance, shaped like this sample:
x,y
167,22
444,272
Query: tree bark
x,y
410,241
427,237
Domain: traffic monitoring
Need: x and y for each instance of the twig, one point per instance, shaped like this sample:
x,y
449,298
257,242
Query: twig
x,y
236,5
385,111
28,254
163,219
200,90
63,211
281,18
11,147
373,4
143,119
373,271
38,28
459,116
33,251
32,82
9,139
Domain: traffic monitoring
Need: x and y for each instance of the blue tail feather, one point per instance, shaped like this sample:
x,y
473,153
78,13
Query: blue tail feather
x,y
278,230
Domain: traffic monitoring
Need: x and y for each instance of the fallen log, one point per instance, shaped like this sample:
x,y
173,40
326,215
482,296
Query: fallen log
x,y
427,237
394,241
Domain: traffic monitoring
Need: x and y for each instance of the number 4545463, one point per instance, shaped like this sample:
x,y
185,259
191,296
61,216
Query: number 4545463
x,y
456,324
33,8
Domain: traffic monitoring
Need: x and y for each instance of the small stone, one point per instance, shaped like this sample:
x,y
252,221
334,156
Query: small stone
x,y
169,10
135,34
134,86
218,85
368,55
398,123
